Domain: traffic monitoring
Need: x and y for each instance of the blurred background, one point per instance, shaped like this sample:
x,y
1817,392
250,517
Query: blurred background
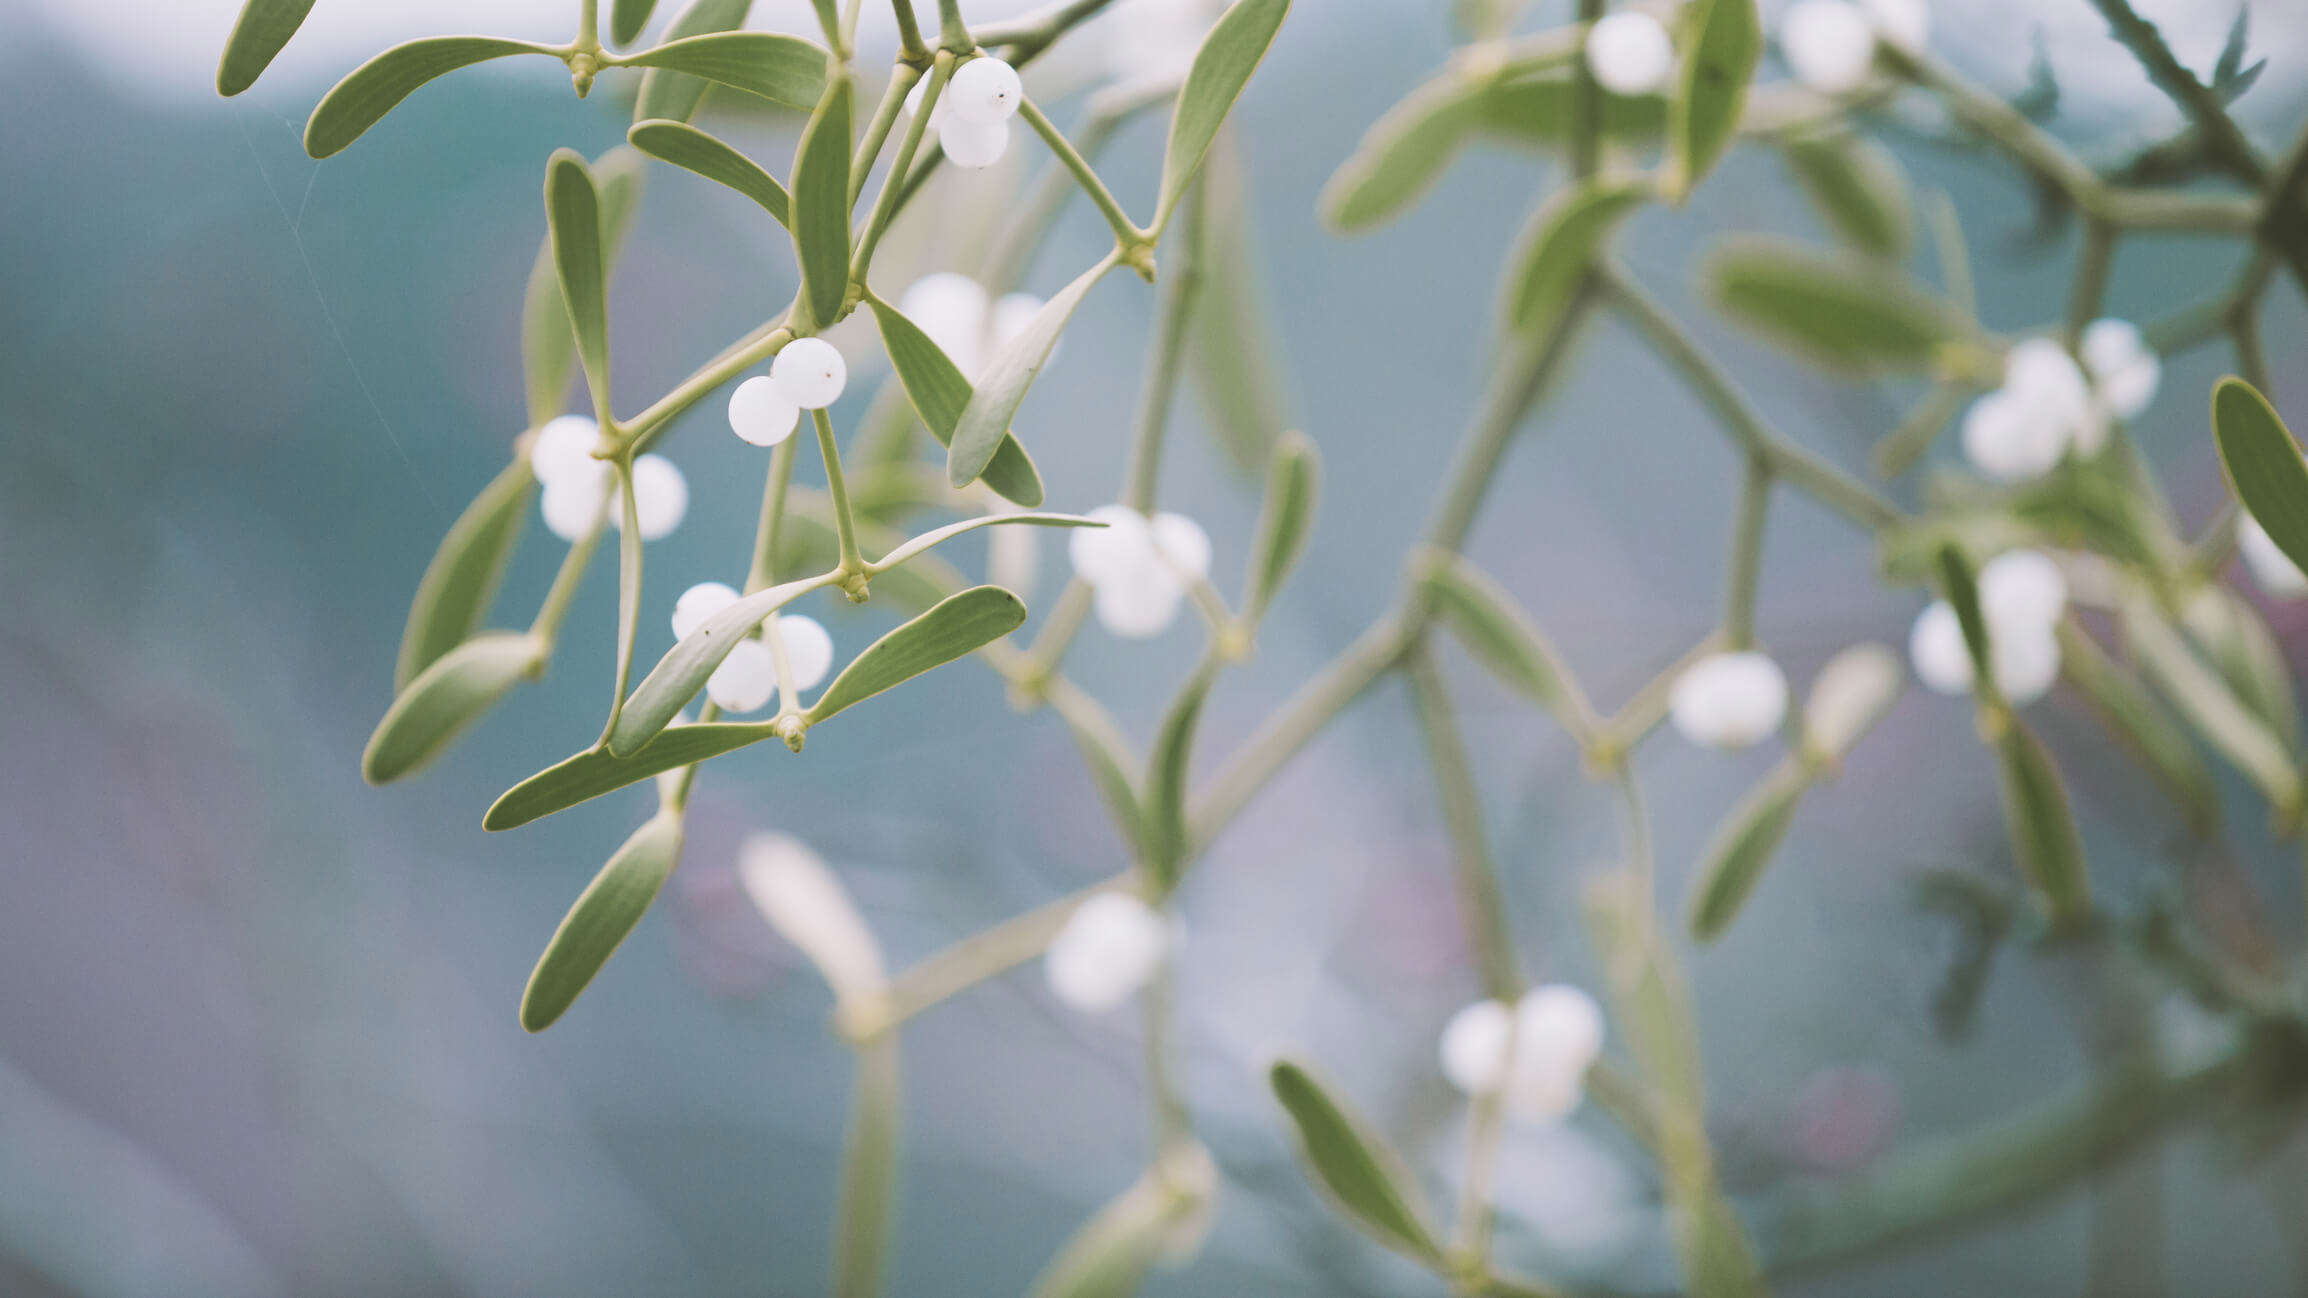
x,y
259,1030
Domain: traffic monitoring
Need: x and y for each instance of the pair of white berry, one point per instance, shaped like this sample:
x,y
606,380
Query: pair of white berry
x,y
808,374
1534,1054
2022,596
2049,404
973,115
578,487
1139,568
2272,570
747,678
956,313
1110,947
1729,700
1830,44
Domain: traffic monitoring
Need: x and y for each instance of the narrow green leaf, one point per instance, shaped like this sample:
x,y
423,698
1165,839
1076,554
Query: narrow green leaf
x,y
263,30
1551,259
603,914
1112,1252
548,341
959,625
1230,342
2043,827
1725,42
2137,719
2214,709
2263,464
1841,310
628,18
444,699
1222,67
869,1171
936,537
1357,1169
674,96
985,421
1858,187
1166,776
1494,630
585,776
821,203
573,219
1749,837
1293,480
1962,591
1538,111
939,393
462,578
782,69
376,86
682,672
1402,154
691,149
2241,647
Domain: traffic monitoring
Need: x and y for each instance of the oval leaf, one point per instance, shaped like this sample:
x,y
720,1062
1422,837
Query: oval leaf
x,y
1726,40
1850,694
985,421
573,222
1112,1252
604,913
376,86
674,96
1166,772
1962,591
790,884
1859,188
682,672
958,625
1843,311
1222,67
2263,464
1356,1168
782,69
1293,481
691,149
821,204
1564,236
1742,847
628,18
1402,154
263,30
462,578
940,394
444,699
1494,630
589,774
2043,827
548,342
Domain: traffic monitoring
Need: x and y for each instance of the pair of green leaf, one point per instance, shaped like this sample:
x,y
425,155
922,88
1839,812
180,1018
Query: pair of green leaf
x,y
445,698
1848,312
983,426
601,918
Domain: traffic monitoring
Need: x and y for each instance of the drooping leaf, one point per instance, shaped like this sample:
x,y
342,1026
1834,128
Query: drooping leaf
x,y
628,18
1353,1164
1112,1252
444,699
782,69
1742,847
376,86
1293,480
1222,67
548,342
1494,630
263,30
674,96
2263,464
691,149
1402,154
585,776
603,914
1552,256
2141,723
958,625
821,203
1166,775
985,421
939,393
1726,40
1839,309
461,580
573,218
1858,187
2043,827
682,672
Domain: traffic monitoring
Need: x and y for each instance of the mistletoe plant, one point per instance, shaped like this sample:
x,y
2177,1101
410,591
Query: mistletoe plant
x,y
2057,560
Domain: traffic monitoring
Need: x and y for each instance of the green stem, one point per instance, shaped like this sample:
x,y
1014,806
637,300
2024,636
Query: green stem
x,y
2090,288
985,954
2223,140
1173,1121
868,1180
1128,239
1586,101
1027,36
1006,265
763,574
1747,556
628,591
897,184
845,523
570,576
1481,906
644,429
953,35
910,47
588,25
902,79
1162,365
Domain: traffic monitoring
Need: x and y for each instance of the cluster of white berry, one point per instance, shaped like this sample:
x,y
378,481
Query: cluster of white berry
x,y
1139,568
2022,597
1830,44
578,487
972,117
808,374
1534,1054
1111,945
955,312
2049,404
747,678
1729,700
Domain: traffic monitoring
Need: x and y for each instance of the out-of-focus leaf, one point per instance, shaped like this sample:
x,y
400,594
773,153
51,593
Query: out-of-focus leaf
x,y
628,18
1494,630
2212,708
1858,187
585,776
1353,1164
1850,694
985,421
1538,111
444,699
803,899
691,149
1166,774
1222,67
2263,465
1981,908
1293,480
938,536
1402,154
958,625
2241,647
674,96
462,578
1106,754
2043,827
1961,588
1553,255
604,913
573,218
548,343
782,69
939,393
1742,847
1725,41
2141,723
2230,78
821,203
869,1171
682,672
1112,1252
263,30
1842,310
1230,344
358,101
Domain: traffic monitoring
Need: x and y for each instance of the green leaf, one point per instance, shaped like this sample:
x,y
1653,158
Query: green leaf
x,y
1293,481
821,204
1839,309
1850,694
674,96
1741,848
603,914
2205,699
936,537
376,86
2241,647
585,776
1353,1164
782,69
264,28
804,901
2263,464
1494,630
1230,339
573,219
985,420
1402,154
2043,827
1112,1252
1538,111
1962,592
628,18
1858,187
682,672
939,393
1726,41
1229,54
548,342
462,578
958,625
444,699
1166,774
1561,242
2135,716
691,149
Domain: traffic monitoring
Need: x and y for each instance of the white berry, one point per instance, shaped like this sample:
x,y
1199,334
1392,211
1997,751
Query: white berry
x,y
1558,1033
1109,948
660,498
1183,543
564,448
759,412
1474,1047
2272,570
809,372
1012,314
1729,700
2021,591
1139,568
808,649
2125,374
972,145
951,309
1630,53
2027,663
1905,23
1935,645
745,680
698,603
2008,440
573,504
2026,658
1830,46
984,92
